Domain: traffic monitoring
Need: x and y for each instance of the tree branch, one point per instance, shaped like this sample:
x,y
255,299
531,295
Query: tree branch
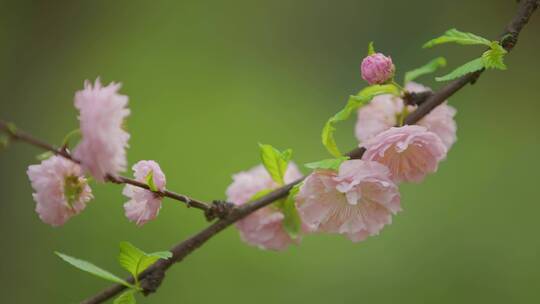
x,y
153,276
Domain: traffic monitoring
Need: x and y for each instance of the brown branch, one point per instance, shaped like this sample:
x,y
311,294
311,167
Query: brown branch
x,y
153,276
18,135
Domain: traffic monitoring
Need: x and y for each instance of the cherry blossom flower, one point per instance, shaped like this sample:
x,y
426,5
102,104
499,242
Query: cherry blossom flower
x,y
144,205
61,190
102,150
264,227
358,201
377,69
383,112
410,152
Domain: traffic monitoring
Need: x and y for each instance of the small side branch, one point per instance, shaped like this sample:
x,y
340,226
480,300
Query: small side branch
x,y
16,134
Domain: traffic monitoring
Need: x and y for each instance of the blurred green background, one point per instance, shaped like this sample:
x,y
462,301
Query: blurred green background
x,y
207,80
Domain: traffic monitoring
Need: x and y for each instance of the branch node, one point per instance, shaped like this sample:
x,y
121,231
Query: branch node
x,y
152,281
219,209
415,98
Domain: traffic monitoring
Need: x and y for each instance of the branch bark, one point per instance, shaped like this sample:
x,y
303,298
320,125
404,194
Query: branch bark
x,y
153,276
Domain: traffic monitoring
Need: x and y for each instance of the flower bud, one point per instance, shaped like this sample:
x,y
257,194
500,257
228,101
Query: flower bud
x,y
377,69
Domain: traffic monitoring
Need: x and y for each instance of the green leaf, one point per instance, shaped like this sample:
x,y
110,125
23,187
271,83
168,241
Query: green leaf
x,y
130,257
330,163
353,104
260,194
371,49
45,155
70,135
458,37
12,128
92,269
291,221
135,260
469,67
275,162
428,68
150,181
161,254
493,58
151,258
4,142
128,297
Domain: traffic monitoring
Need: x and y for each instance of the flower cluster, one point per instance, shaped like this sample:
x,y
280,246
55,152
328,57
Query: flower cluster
x,y
61,188
359,197
355,198
384,112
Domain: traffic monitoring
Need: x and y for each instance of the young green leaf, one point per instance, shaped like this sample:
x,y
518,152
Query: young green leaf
x,y
331,163
150,181
128,297
149,259
428,68
469,67
275,162
70,135
493,58
130,257
291,221
12,128
458,37
260,194
4,142
92,269
45,155
135,260
353,104
371,49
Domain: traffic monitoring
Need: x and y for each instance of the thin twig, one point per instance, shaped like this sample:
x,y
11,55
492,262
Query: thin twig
x,y
19,135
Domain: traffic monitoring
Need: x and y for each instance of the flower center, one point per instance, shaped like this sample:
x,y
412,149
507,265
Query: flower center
x,y
73,187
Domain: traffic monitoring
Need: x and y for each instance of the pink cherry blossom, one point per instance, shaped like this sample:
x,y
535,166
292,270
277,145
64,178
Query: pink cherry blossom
x,y
377,69
383,111
102,150
264,227
410,152
61,191
441,122
358,201
144,205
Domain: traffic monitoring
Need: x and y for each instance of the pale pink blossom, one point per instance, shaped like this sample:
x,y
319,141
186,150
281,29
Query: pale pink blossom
x,y
264,227
383,112
102,150
410,152
60,189
441,122
377,69
358,201
144,205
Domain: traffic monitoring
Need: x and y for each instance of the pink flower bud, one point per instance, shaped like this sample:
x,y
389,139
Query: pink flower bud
x,y
377,69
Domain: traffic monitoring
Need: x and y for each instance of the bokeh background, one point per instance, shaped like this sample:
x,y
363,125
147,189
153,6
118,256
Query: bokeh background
x,y
207,80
